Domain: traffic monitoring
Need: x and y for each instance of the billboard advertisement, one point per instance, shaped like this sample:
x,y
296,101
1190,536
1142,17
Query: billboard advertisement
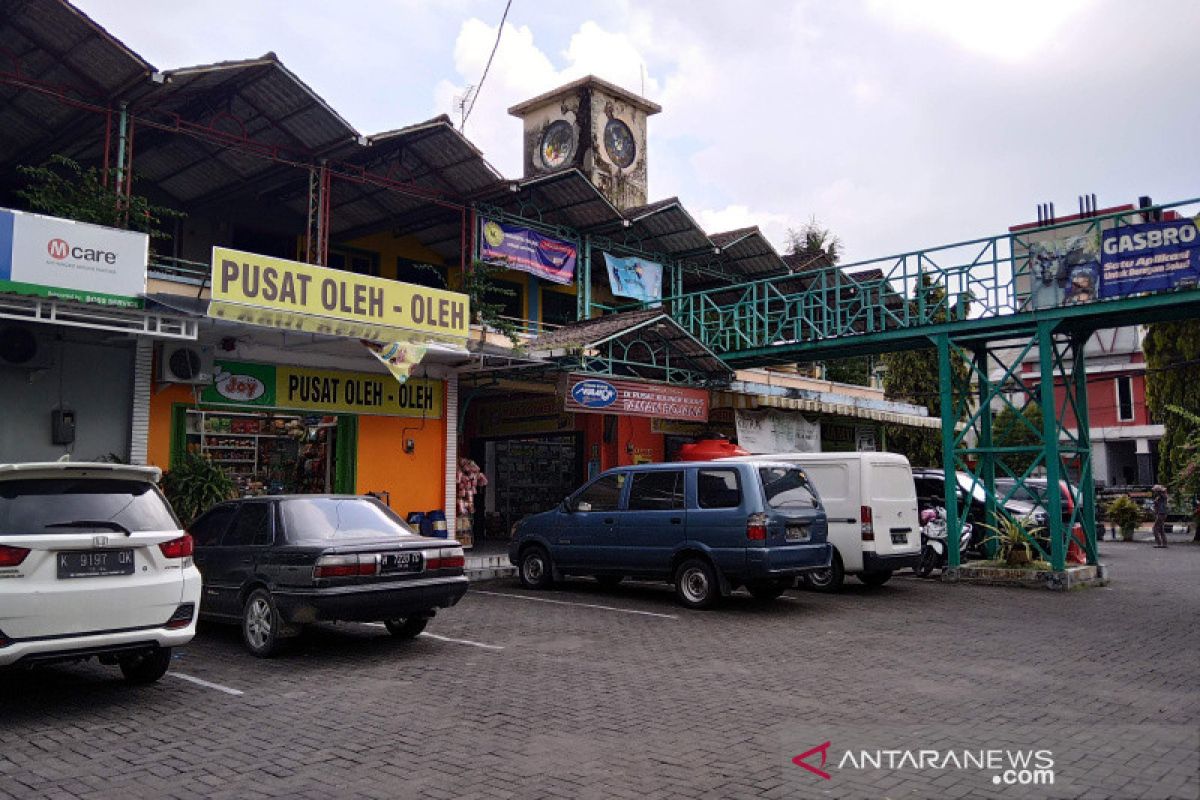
x,y
631,398
1152,257
528,251
634,277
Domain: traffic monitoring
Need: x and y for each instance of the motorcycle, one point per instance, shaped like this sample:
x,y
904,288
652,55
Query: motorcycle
x,y
935,549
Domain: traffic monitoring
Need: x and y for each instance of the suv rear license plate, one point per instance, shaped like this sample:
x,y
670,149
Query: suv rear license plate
x,y
95,563
899,538
401,562
796,533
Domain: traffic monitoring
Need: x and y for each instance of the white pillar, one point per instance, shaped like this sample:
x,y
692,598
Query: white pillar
x,y
139,429
451,476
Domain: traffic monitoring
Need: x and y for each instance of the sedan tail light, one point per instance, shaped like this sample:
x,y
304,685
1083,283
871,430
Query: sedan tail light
x,y
347,566
446,558
756,528
12,556
178,548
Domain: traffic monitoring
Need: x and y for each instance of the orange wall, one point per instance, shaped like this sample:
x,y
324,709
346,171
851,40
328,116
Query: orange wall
x,y
630,430
413,481
162,398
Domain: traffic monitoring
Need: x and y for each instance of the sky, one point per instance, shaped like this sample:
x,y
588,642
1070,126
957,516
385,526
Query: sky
x,y
897,124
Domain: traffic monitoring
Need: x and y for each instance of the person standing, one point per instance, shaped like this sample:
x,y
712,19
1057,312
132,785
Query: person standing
x,y
1160,515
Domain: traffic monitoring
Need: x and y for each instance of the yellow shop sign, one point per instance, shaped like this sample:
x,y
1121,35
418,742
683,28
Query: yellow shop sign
x,y
263,282
334,391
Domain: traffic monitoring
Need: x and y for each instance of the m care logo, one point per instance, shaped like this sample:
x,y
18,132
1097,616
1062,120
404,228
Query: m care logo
x,y
58,249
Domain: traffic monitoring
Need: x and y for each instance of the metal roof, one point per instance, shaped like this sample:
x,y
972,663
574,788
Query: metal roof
x,y
565,198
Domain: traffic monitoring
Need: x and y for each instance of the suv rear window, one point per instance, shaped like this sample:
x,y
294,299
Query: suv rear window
x,y
316,520
47,505
787,487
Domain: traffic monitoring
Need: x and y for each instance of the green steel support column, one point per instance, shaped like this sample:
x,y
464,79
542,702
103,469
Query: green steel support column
x,y
946,384
583,281
1050,426
1087,486
987,465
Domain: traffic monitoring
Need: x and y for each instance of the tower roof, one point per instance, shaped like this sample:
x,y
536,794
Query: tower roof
x,y
586,82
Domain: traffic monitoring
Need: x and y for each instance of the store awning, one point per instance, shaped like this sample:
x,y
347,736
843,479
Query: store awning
x,y
151,321
816,406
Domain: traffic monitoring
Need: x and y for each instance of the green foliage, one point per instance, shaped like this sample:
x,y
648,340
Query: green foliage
x,y
1125,513
856,371
1012,540
815,246
63,188
1008,430
1186,480
194,485
1173,372
479,284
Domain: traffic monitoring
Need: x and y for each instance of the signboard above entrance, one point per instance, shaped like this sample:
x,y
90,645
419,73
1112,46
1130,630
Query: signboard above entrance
x,y
634,399
294,289
325,390
68,260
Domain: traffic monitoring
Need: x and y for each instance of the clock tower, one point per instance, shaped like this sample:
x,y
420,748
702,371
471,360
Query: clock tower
x,y
595,127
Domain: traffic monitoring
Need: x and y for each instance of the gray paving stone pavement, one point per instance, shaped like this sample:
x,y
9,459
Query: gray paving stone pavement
x,y
585,702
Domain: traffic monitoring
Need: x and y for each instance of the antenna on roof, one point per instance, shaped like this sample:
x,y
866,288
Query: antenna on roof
x,y
643,66
462,102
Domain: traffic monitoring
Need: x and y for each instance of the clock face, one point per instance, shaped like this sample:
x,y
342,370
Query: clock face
x,y
558,144
619,144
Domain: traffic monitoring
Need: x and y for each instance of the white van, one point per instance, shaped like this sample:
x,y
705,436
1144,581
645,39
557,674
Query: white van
x,y
871,503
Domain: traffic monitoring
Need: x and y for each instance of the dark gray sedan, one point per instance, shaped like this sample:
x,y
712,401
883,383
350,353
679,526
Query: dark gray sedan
x,y
275,564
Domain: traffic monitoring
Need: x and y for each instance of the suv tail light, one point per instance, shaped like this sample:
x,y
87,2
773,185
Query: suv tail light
x,y
346,566
867,519
182,616
178,548
447,558
756,528
12,556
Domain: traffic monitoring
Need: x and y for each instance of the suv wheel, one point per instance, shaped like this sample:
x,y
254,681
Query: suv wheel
x,y
260,624
696,584
827,580
536,570
407,627
146,667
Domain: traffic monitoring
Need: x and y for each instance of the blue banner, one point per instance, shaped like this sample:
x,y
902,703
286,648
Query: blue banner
x,y
528,251
1153,257
634,277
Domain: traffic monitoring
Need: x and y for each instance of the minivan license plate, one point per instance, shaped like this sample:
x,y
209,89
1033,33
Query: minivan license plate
x,y
401,562
95,563
796,533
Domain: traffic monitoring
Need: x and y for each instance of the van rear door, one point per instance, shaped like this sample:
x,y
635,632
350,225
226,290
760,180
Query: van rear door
x,y
837,482
889,490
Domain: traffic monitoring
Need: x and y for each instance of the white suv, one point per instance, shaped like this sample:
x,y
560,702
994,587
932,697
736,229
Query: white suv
x,y
93,563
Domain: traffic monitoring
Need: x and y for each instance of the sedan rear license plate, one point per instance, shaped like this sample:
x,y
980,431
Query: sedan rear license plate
x,y
95,563
796,533
899,538
401,562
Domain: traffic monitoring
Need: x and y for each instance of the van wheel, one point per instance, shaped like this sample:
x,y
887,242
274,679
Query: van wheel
x,y
147,667
767,591
827,580
535,569
875,578
696,584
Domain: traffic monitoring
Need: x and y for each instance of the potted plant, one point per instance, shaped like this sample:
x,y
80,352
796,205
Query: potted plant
x,y
194,485
1125,514
1012,539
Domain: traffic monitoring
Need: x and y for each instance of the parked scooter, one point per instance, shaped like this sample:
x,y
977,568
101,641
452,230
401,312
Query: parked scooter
x,y
935,550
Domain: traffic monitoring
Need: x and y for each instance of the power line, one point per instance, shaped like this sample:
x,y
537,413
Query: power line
x,y
488,66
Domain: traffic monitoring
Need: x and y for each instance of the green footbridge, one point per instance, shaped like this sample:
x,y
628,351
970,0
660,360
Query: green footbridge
x,y
987,306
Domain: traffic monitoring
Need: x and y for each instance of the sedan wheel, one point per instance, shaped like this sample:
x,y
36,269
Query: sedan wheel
x,y
260,624
696,584
406,628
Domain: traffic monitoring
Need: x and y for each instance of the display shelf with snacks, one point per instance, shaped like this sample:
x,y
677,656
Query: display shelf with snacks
x,y
258,451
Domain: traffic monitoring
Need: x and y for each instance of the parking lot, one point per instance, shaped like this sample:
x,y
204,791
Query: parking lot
x,y
580,692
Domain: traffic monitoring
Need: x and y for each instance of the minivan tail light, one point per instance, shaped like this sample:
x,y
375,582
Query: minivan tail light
x,y
349,566
12,556
756,528
446,558
867,519
178,548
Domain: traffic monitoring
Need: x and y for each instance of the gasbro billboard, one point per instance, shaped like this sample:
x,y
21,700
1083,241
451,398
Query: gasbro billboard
x,y
1152,257
63,259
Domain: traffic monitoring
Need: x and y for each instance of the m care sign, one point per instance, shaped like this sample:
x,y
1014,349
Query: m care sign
x,y
262,282
633,399
68,260
325,390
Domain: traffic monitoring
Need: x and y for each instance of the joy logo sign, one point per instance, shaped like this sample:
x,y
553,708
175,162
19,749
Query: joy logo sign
x,y
242,388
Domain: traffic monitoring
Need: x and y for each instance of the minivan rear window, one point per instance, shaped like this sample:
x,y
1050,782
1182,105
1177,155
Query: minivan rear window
x,y
718,488
316,520
65,505
787,487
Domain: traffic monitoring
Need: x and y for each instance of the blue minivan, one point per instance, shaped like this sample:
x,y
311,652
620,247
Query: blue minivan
x,y
707,527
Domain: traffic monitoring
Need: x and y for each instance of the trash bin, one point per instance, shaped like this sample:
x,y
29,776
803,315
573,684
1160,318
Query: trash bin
x,y
437,523
419,520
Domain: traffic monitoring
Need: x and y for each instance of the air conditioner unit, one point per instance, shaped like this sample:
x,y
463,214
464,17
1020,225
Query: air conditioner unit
x,y
20,348
185,364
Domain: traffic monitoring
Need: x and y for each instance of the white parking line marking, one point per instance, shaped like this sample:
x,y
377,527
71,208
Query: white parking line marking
x,y
207,684
581,605
441,638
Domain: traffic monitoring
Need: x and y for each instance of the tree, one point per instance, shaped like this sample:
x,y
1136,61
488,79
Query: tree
x,y
1008,430
62,188
1172,373
814,246
856,371
912,376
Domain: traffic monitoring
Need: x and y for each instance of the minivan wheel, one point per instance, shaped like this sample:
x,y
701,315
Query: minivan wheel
x,y
145,667
696,584
406,627
260,624
536,571
827,580
875,578
766,591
